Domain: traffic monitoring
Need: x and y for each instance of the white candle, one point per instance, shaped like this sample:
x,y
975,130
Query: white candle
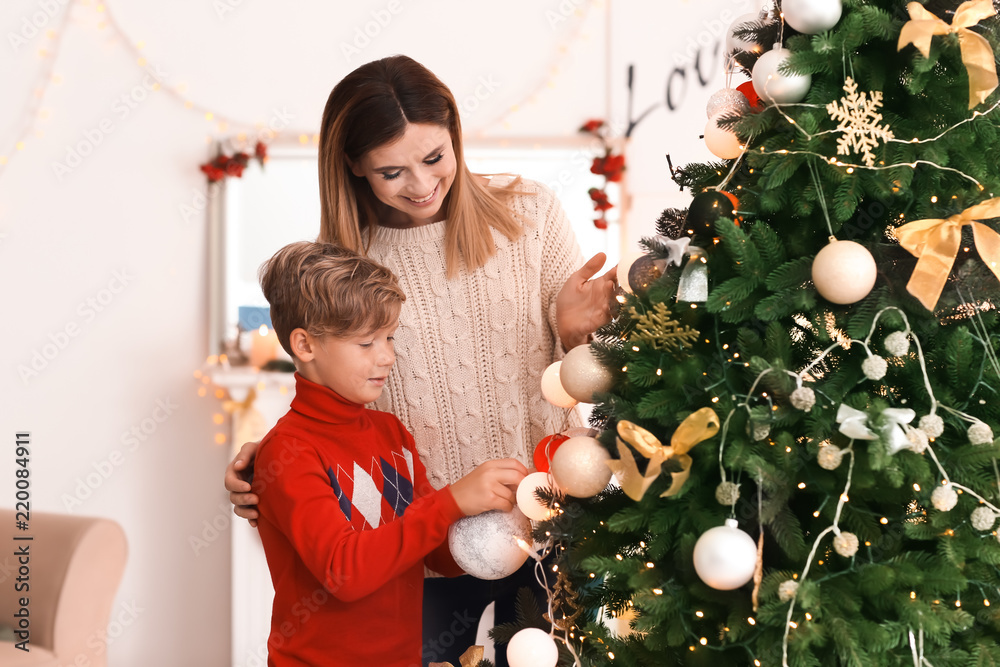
x,y
263,346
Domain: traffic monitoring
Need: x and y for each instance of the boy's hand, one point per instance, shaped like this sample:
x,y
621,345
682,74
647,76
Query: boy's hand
x,y
491,486
238,474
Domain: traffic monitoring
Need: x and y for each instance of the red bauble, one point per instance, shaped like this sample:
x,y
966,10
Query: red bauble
x,y
749,93
541,458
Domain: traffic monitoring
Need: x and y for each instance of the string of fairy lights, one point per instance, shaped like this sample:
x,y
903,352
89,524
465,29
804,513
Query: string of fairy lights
x,y
943,497
103,20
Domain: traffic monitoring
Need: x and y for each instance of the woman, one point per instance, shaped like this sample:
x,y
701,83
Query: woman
x,y
494,287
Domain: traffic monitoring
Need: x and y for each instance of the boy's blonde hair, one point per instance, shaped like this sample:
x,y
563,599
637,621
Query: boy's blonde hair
x,y
328,290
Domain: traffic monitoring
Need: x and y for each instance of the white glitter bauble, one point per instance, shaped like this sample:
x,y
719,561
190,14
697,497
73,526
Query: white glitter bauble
x,y
803,399
918,439
734,43
725,557
983,518
727,100
846,544
721,142
787,589
944,498
484,545
980,433
874,367
528,502
897,343
552,388
932,425
727,493
830,457
579,467
811,17
844,272
582,374
532,647
774,86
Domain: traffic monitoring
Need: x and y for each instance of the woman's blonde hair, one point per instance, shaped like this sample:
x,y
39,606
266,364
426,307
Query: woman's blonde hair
x,y
372,107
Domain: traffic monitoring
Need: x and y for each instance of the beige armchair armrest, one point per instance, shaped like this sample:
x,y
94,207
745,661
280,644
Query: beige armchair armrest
x,y
75,566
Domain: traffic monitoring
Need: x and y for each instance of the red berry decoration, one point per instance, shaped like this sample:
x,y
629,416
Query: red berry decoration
x,y
541,458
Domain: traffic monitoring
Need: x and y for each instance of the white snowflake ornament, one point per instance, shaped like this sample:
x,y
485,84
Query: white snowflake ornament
x,y
980,433
874,367
858,118
983,518
897,344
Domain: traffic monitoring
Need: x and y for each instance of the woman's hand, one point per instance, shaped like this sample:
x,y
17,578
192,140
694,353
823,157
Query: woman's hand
x,y
238,473
584,305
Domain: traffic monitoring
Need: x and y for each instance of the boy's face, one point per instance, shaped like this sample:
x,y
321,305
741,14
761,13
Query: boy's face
x,y
355,366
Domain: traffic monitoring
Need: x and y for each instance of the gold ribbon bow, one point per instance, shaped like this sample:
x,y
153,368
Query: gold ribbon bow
x,y
977,55
935,243
472,657
697,427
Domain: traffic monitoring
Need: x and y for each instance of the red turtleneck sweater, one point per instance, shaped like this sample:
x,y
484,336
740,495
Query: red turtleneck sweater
x,y
348,520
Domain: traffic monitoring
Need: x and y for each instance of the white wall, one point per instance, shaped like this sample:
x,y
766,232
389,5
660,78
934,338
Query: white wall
x,y
111,230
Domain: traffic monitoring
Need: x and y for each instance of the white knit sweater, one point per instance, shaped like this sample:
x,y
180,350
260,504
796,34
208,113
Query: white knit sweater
x,y
470,351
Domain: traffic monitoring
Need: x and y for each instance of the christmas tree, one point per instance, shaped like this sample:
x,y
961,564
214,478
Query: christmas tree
x,y
809,352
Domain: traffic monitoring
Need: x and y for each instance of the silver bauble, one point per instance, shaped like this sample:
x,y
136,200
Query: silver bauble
x,y
774,86
485,545
727,100
811,17
582,374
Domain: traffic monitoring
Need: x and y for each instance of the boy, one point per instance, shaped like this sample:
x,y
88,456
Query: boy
x,y
347,517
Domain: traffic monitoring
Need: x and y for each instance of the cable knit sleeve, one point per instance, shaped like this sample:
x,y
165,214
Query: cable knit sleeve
x,y
560,255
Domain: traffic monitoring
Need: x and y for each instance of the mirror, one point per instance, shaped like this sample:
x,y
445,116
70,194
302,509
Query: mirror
x,y
269,207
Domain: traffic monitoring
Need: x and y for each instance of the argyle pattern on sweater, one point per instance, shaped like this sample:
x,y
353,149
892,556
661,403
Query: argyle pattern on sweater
x,y
376,493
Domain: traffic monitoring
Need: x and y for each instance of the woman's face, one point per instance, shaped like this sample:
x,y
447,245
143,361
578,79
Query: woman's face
x,y
412,175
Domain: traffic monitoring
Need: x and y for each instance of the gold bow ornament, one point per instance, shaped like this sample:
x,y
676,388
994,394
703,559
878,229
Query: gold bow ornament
x,y
977,55
472,657
935,243
697,427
